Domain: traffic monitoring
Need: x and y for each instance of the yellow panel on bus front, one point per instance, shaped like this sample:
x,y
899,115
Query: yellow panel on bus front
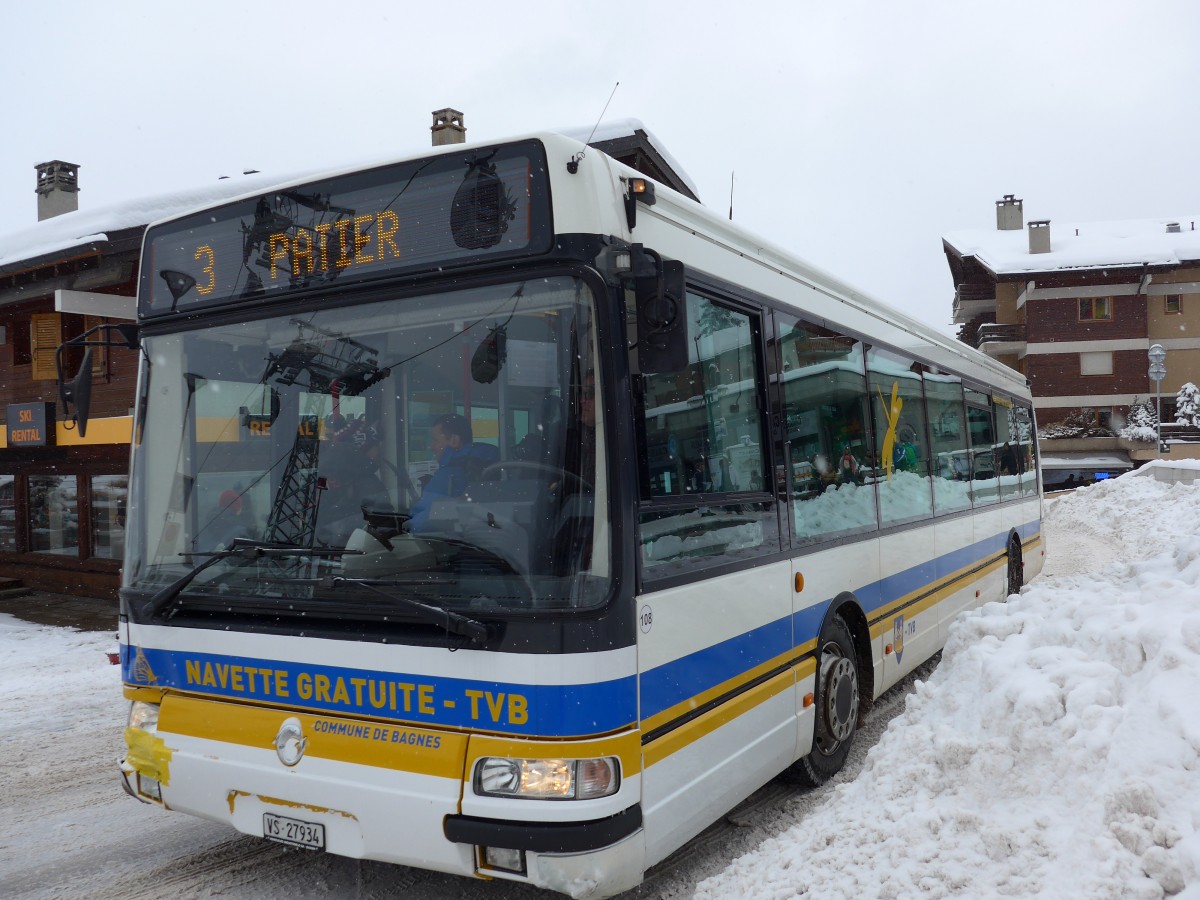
x,y
343,782
379,744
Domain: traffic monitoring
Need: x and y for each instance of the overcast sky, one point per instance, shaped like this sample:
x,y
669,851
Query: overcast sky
x,y
860,132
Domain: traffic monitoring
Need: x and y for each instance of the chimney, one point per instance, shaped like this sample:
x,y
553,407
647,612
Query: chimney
x,y
448,127
57,188
1008,214
1039,236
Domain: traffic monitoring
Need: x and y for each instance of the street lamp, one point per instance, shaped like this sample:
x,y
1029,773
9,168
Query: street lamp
x,y
1158,371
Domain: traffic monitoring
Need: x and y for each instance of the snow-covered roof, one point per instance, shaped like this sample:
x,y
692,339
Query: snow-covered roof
x,y
1084,245
87,226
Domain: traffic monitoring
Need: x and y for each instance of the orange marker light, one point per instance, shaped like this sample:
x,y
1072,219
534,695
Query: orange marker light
x,y
887,650
799,582
808,700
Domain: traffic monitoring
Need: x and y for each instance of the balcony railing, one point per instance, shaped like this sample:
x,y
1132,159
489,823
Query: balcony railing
x,y
1006,334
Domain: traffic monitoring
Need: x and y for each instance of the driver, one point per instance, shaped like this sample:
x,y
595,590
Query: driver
x,y
460,462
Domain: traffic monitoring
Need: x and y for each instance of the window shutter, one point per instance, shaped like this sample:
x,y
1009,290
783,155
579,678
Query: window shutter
x,y
99,354
45,334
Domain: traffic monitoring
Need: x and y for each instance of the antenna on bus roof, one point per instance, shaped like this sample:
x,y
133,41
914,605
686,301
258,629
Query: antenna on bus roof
x,y
573,164
731,196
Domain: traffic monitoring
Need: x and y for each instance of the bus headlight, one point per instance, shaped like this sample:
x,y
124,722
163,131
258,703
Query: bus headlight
x,y
142,774
143,716
547,779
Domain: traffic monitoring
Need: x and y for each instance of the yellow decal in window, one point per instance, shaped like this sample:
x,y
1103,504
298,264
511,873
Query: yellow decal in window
x,y
893,417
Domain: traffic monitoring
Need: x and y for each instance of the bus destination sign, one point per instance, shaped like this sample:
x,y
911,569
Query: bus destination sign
x,y
446,210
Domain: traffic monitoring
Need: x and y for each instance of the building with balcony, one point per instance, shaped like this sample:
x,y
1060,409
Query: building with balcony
x,y
1076,306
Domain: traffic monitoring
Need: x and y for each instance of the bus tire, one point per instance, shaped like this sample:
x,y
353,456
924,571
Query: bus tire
x,y
1016,569
837,706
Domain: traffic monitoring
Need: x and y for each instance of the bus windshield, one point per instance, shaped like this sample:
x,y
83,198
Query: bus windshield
x,y
439,448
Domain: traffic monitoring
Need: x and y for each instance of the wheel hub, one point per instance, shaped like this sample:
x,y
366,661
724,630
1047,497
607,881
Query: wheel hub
x,y
841,699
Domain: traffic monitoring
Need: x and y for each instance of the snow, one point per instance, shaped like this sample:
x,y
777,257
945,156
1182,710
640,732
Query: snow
x,y
1053,753
1073,245
86,226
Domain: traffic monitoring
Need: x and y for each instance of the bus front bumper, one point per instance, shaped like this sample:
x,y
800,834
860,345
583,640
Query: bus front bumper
x,y
586,860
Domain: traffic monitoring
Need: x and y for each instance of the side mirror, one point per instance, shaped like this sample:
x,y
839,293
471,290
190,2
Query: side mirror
x,y
660,294
489,357
78,392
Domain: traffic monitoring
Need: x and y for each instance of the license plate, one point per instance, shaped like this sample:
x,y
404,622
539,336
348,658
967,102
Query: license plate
x,y
294,832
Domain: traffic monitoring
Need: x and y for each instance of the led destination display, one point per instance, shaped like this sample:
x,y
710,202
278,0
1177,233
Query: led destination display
x,y
446,210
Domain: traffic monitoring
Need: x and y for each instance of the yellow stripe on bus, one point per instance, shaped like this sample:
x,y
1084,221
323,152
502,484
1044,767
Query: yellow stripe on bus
x,y
959,580
360,741
725,687
704,725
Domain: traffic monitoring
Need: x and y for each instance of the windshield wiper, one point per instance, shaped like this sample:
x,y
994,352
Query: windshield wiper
x,y
243,548
454,623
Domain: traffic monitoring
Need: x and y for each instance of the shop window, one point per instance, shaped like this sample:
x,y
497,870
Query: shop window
x,y
54,514
109,494
1095,309
8,514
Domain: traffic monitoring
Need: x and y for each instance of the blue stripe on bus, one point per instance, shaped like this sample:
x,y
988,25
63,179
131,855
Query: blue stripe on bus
x,y
546,710
673,683
683,678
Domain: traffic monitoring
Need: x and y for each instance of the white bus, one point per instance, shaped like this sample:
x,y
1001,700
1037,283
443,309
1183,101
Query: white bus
x,y
502,513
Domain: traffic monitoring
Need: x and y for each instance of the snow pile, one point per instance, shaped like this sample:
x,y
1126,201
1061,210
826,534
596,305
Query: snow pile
x,y
1055,752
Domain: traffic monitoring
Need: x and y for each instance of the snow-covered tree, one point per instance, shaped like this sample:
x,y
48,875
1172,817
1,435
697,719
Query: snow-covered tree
x,y
1142,422
1187,405
1077,424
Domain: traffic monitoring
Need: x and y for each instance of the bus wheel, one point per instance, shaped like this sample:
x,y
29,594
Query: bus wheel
x,y
1016,569
836,705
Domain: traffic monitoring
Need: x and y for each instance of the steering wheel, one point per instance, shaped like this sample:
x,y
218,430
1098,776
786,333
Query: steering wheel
x,y
556,473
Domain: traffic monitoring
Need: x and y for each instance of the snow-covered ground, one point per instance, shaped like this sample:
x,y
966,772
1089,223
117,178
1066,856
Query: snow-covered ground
x,y
1055,753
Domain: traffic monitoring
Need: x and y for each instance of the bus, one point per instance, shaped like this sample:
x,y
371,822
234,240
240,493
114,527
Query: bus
x,y
504,513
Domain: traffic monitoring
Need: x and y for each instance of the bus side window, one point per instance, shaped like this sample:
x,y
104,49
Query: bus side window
x,y
703,425
901,443
703,438
1022,437
984,463
825,403
948,443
